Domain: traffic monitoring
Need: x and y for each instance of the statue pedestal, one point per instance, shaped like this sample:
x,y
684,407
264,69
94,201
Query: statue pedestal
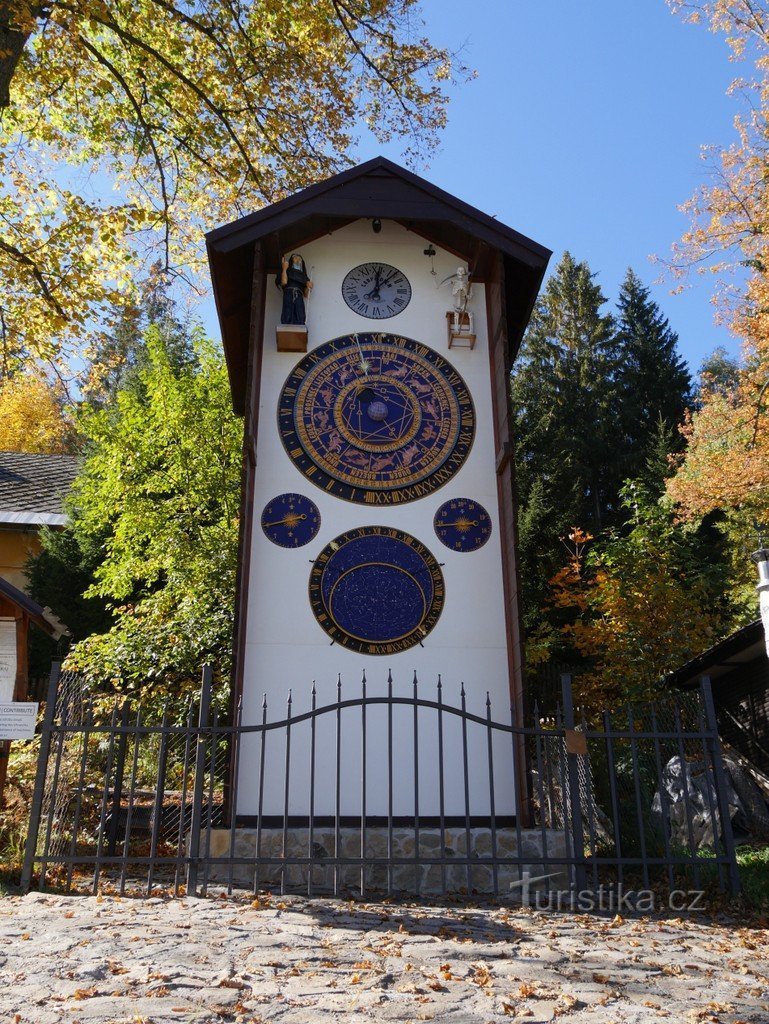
x,y
459,336
291,337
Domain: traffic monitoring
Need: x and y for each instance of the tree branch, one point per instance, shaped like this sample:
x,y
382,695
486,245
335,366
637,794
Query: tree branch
x,y
36,272
15,30
105,63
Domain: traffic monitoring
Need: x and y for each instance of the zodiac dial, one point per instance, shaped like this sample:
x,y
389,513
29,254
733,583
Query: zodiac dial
x,y
376,418
376,590
290,520
376,290
462,524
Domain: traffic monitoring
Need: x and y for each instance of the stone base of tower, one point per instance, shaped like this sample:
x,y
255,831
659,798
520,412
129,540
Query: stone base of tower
x,y
531,858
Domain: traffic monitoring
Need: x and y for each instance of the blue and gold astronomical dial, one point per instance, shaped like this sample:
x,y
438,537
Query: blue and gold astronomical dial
x,y
376,418
462,524
376,590
290,520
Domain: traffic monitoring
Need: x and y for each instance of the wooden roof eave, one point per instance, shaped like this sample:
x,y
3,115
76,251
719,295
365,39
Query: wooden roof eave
x,y
43,618
378,188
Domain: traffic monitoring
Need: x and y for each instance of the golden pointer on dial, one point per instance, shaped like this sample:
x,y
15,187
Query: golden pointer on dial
x,y
292,519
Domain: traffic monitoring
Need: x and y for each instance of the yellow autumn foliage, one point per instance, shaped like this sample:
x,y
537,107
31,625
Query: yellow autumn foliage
x,y
32,418
131,127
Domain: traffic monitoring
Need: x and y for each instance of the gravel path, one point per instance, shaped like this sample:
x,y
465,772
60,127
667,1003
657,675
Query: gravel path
x,y
103,960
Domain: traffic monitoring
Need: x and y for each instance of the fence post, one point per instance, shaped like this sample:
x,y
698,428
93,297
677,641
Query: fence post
x,y
36,808
197,793
117,793
572,766
714,746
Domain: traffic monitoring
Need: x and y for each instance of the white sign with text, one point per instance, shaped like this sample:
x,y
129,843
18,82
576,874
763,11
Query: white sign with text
x,y
7,659
17,720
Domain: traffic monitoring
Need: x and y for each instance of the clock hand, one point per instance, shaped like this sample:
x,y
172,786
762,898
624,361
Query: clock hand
x,y
363,363
463,522
374,293
292,519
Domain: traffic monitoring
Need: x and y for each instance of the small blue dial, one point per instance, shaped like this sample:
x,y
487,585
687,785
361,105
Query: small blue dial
x,y
462,524
291,520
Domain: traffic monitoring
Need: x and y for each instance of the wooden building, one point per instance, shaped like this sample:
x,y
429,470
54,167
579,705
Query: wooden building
x,y
32,492
738,668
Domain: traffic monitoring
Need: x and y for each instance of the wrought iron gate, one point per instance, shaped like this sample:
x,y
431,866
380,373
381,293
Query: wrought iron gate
x,y
123,799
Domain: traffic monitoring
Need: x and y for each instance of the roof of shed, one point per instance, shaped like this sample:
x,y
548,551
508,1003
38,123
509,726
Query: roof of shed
x,y
33,488
737,649
376,188
42,617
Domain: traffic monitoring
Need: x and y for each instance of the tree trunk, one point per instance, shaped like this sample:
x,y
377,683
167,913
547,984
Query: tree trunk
x,y
12,42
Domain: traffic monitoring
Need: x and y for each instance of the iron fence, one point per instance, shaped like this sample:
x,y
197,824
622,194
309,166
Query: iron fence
x,y
126,798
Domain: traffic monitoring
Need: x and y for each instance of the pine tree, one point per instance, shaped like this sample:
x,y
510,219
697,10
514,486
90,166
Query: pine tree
x,y
118,355
654,382
564,396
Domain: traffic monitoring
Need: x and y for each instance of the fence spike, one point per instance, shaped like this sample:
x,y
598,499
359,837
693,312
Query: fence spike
x,y
416,681
339,686
462,689
313,691
389,683
264,702
488,700
289,700
439,687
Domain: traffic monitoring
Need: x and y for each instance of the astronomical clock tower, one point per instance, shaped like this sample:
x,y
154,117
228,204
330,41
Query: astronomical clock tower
x,y
369,325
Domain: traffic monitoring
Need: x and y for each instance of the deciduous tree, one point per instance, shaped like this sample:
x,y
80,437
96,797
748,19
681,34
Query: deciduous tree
x,y
158,495
177,117
639,603
730,211
32,416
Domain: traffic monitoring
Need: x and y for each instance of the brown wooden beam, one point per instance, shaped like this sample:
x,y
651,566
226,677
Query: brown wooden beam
x,y
499,367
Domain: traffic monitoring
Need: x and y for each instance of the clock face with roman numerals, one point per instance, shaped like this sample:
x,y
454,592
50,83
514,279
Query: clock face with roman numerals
x,y
376,290
376,418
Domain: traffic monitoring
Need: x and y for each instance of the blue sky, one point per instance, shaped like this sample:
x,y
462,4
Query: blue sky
x,y
583,130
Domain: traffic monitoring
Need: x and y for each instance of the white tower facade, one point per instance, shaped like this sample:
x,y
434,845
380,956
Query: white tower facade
x,y
378,518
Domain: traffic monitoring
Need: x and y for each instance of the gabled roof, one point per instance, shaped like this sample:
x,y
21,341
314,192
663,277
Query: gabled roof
x,y
42,617
33,488
377,188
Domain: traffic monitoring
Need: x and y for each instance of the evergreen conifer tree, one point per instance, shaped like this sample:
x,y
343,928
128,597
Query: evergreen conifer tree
x,y
654,384
564,397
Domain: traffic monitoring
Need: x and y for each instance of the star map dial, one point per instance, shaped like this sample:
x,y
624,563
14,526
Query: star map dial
x,y
290,520
376,590
376,290
462,524
376,418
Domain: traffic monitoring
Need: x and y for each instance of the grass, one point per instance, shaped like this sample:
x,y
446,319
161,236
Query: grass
x,y
753,861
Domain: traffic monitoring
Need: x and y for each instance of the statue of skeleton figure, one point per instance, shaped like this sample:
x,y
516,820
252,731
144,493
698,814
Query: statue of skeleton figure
x,y
461,293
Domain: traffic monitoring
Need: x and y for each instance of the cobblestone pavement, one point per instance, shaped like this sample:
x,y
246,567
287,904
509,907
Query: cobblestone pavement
x,y
103,960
